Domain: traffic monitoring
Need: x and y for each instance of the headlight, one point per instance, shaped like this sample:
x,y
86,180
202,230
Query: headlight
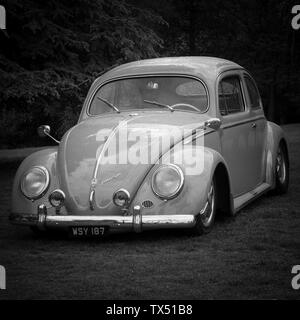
x,y
167,181
57,198
35,182
121,198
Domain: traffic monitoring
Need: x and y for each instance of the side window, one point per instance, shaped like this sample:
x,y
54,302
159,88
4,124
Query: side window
x,y
253,98
230,95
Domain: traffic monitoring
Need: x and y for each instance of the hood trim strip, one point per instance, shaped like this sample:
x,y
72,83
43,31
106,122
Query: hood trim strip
x,y
94,180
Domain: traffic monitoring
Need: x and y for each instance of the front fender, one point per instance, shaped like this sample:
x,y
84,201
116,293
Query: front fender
x,y
193,195
46,158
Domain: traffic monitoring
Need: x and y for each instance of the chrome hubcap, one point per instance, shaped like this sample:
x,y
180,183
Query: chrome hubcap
x,y
207,212
280,166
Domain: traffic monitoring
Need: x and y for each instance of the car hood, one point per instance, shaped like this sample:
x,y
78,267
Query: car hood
x,y
97,152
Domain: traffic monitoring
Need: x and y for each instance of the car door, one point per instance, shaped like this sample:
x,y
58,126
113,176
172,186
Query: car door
x,y
237,132
254,104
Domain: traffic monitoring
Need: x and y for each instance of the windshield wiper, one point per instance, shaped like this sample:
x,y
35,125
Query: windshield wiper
x,y
159,104
109,104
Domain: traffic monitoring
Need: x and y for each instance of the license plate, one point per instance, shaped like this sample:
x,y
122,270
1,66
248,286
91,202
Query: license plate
x,y
89,231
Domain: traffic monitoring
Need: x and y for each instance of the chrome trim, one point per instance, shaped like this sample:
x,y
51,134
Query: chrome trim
x,y
179,171
135,222
127,194
44,131
241,122
104,147
168,221
42,216
91,199
137,219
47,184
213,123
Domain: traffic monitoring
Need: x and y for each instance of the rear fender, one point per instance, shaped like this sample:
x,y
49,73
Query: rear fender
x,y
275,135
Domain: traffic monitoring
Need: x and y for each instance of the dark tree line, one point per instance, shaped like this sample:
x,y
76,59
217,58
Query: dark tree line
x,y
52,50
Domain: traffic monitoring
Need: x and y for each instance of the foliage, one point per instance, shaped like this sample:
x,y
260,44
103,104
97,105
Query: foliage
x,y
256,34
53,50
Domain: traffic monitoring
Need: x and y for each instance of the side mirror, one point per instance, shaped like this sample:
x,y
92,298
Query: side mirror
x,y
43,131
213,123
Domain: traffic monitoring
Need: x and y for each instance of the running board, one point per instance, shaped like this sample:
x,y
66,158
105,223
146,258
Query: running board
x,y
241,201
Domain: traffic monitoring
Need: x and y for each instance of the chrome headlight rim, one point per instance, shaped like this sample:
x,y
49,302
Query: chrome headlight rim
x,y
178,190
55,193
126,192
45,188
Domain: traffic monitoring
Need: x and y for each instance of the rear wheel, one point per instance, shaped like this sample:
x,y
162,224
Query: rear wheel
x,y
205,218
281,171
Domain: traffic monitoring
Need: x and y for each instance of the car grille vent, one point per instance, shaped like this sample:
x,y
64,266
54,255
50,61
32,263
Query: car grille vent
x,y
147,204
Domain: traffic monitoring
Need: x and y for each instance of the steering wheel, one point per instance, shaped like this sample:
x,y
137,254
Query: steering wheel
x,y
184,105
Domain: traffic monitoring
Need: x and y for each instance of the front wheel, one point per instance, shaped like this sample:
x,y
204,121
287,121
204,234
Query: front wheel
x,y
205,218
281,171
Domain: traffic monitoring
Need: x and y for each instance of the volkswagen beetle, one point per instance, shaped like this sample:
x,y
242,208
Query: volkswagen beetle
x,y
102,177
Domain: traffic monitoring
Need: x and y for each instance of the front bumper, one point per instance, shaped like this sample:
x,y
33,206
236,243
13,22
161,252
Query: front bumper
x,y
134,222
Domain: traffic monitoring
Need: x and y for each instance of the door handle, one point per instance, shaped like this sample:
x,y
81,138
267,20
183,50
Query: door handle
x,y
253,125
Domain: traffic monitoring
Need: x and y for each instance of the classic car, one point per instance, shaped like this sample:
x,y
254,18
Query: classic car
x,y
98,179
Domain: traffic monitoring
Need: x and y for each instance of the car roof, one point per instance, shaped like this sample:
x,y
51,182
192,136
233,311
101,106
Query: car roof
x,y
207,68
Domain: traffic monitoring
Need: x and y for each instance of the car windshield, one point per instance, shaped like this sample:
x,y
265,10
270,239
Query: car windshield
x,y
169,93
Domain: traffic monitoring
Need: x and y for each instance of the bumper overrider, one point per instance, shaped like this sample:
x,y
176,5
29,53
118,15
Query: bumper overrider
x,y
135,222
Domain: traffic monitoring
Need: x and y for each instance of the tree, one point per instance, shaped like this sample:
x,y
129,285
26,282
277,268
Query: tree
x,y
54,50
256,34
